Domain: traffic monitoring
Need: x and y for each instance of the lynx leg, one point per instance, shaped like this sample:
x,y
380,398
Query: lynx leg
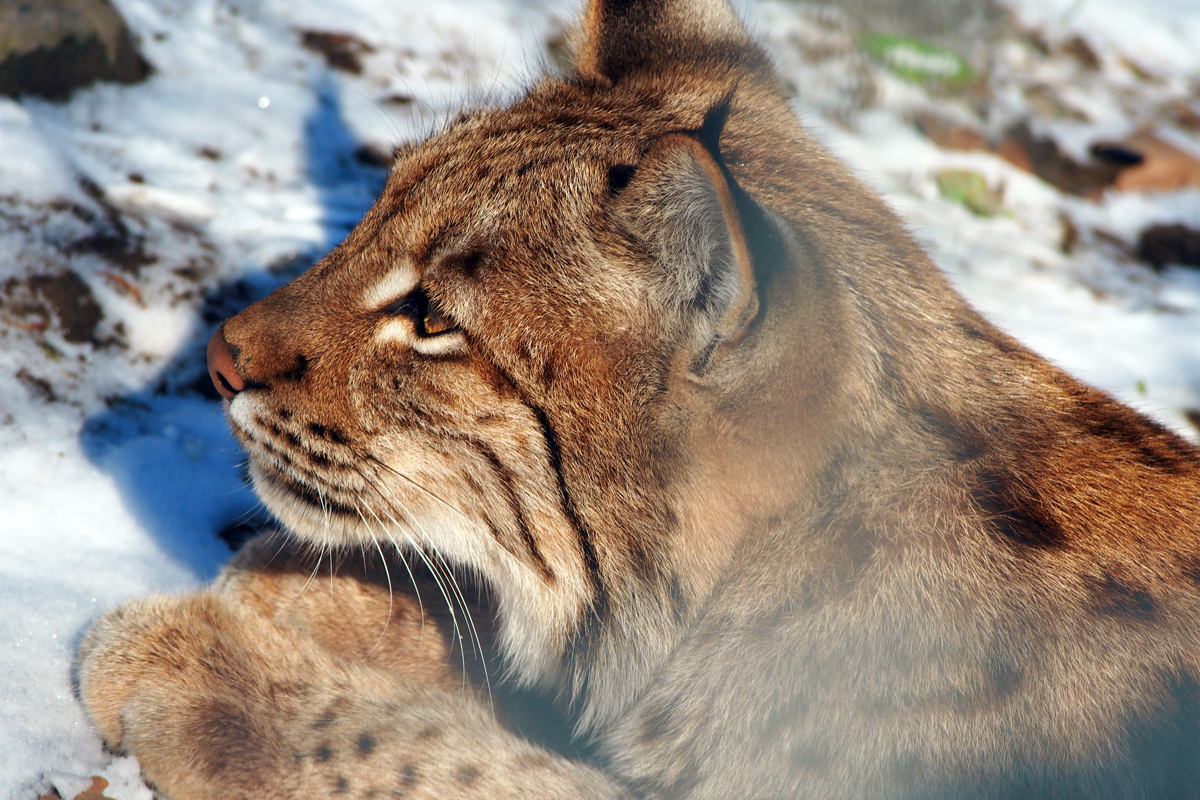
x,y
356,607
260,687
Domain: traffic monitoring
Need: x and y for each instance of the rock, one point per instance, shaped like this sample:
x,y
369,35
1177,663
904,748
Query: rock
x,y
1170,244
52,47
1118,153
39,388
375,154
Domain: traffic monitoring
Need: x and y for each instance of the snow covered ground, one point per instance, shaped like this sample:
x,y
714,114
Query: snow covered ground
x,y
144,214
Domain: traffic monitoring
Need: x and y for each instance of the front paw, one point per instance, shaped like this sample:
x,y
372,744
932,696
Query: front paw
x,y
350,608
192,687
114,658
215,700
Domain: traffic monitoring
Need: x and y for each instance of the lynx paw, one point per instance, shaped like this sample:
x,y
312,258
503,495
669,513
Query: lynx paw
x,y
216,700
115,657
194,688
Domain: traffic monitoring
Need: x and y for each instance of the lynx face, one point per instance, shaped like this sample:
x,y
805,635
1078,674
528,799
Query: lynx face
x,y
506,360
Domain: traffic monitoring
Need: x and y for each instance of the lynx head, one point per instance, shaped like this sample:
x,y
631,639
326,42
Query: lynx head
x,y
577,346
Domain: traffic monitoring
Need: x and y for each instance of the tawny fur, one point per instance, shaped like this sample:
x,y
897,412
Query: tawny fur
x,y
770,505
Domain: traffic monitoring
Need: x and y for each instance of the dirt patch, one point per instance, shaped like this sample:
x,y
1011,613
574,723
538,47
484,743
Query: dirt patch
x,y
1043,157
342,51
38,387
72,302
1170,244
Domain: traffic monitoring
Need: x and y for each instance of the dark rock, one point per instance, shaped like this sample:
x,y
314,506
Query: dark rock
x,y
1170,244
111,239
397,99
120,249
72,302
52,47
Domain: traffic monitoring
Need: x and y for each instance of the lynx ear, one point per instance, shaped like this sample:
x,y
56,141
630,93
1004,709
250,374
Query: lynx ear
x,y
680,206
618,37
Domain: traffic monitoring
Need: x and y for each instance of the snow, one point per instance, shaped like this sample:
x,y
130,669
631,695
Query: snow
x,y
233,167
1159,34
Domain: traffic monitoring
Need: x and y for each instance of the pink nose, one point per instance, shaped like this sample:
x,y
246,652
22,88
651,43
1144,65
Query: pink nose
x,y
221,368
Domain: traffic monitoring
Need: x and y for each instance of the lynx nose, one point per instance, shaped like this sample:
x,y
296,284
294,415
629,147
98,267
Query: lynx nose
x,y
221,368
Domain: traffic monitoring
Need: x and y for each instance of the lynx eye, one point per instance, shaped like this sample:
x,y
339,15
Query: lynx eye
x,y
427,318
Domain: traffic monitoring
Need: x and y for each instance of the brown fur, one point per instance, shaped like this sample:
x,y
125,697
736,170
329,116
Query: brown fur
x,y
772,505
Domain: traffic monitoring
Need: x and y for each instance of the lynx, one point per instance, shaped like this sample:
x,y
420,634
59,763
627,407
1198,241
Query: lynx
x,y
765,502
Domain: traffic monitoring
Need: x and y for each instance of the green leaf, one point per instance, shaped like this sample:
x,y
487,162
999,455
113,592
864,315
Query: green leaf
x,y
972,190
918,62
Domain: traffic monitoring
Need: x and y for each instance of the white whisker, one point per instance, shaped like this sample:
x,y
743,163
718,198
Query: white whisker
x,y
316,569
387,573
411,578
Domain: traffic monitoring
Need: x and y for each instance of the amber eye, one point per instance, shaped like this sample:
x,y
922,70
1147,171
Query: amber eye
x,y
436,322
427,318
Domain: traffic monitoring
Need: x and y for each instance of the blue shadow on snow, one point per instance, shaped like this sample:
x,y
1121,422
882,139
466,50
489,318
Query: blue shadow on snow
x,y
168,445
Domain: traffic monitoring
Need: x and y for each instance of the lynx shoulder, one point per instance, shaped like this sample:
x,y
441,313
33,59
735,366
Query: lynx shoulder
x,y
766,502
